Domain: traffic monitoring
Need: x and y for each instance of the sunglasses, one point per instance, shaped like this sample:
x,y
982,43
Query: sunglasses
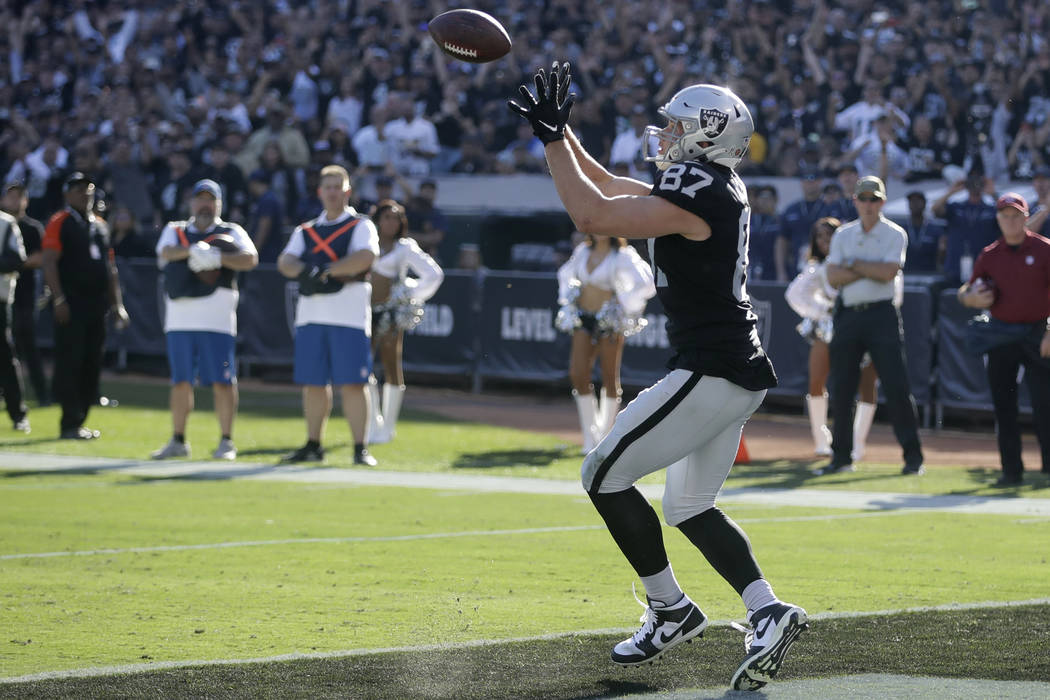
x,y
868,198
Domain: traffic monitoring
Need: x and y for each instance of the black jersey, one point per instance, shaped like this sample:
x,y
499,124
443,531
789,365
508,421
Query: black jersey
x,y
703,284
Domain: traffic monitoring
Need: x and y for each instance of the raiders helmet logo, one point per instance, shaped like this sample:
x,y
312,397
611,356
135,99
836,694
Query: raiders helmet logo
x,y
713,122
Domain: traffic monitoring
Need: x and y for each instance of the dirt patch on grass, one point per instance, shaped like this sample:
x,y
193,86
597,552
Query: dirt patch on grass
x,y
768,436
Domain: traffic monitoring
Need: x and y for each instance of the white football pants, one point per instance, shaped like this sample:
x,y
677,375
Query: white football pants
x,y
688,423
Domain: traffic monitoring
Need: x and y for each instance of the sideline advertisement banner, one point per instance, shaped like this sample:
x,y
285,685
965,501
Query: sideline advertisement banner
x,y
516,327
443,342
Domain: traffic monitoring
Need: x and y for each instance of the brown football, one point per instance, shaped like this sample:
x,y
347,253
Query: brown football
x,y
225,243
470,35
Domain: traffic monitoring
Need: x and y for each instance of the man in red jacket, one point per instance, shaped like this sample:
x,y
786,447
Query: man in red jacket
x,y
1011,280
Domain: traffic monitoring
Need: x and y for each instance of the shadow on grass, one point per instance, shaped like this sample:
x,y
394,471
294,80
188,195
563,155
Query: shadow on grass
x,y
24,441
511,458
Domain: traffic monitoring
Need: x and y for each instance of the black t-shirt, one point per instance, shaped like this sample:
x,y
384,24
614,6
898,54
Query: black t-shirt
x,y
32,237
703,284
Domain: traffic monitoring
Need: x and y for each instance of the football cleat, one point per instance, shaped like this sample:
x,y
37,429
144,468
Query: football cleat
x,y
662,630
363,457
174,448
773,630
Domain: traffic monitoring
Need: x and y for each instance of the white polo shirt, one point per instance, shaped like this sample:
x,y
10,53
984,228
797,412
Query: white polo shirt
x,y
885,242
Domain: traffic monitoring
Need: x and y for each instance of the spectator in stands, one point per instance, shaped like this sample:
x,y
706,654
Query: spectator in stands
x,y
864,263
345,109
15,201
1011,280
200,319
331,257
795,223
267,220
128,241
234,185
403,278
969,225
925,237
926,156
292,145
876,151
126,180
1039,221
426,223
413,138
765,232
847,176
1024,157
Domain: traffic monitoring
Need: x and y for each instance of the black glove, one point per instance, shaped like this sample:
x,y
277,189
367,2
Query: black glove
x,y
548,111
314,279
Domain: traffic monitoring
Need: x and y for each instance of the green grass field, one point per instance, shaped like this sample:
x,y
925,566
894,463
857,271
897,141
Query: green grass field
x,y
237,569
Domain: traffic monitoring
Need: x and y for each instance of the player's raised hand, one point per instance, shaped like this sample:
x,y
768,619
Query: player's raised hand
x,y
548,110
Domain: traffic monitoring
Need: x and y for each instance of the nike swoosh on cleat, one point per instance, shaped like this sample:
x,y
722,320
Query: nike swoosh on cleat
x,y
664,638
761,628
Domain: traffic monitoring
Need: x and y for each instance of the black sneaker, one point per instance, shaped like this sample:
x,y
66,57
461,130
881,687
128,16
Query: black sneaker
x,y
80,434
913,469
306,453
662,630
363,457
773,629
833,468
1009,480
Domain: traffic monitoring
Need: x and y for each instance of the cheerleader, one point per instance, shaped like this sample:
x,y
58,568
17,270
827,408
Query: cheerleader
x,y
812,298
397,306
602,290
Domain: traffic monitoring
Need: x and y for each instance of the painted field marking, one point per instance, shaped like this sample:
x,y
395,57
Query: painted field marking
x,y
402,538
480,483
476,643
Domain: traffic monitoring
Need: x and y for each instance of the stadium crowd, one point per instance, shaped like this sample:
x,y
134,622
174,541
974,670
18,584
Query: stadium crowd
x,y
149,97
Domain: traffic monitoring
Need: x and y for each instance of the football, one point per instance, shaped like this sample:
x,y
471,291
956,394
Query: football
x,y
470,35
226,244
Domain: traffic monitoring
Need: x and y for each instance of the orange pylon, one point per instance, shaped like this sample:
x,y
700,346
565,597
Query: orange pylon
x,y
742,457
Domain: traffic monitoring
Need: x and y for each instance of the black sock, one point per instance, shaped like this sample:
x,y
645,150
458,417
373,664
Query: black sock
x,y
179,438
359,447
226,437
635,527
313,444
724,545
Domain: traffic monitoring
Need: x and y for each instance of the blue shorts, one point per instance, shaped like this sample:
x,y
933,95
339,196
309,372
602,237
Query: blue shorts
x,y
202,355
331,355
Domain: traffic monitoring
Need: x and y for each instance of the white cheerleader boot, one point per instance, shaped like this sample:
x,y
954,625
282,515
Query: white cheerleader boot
x,y
608,407
376,424
392,397
818,423
587,407
861,427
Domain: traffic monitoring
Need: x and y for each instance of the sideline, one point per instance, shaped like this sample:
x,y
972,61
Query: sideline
x,y
811,498
163,665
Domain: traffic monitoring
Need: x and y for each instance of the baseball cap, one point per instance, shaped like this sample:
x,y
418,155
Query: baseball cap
x,y
77,178
259,175
869,184
1012,199
209,186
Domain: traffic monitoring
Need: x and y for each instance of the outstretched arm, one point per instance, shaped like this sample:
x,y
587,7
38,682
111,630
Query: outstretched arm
x,y
607,183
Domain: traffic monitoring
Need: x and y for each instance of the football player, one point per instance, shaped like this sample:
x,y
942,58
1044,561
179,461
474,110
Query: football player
x,y
695,218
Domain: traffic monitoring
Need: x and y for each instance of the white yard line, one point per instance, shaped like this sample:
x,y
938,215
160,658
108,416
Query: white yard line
x,y
161,665
395,538
815,498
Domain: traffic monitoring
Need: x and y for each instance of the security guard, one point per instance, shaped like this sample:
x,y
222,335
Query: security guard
x,y
79,270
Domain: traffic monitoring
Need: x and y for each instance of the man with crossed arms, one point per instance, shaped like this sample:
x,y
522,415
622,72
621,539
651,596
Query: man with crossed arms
x,y
330,257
